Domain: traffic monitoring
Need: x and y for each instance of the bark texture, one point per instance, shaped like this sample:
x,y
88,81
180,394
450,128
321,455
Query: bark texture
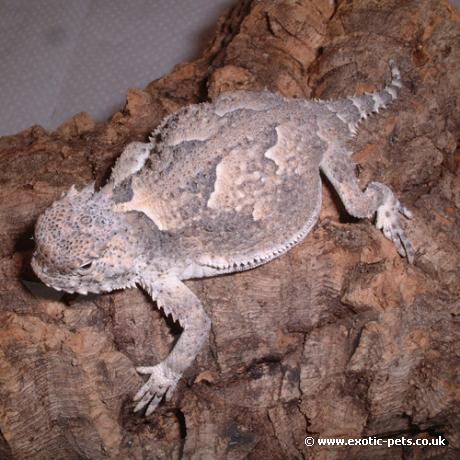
x,y
338,338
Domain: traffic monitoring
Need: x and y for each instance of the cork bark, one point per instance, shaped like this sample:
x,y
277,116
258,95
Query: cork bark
x,y
338,338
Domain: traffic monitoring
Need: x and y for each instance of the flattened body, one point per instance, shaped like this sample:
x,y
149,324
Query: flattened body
x,y
232,183
220,188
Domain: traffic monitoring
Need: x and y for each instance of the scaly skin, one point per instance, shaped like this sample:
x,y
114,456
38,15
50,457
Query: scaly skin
x,y
228,186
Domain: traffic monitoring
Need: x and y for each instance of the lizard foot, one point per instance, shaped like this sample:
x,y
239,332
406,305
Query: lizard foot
x,y
388,220
161,383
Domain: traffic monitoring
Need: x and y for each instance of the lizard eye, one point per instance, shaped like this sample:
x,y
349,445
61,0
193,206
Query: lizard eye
x,y
86,266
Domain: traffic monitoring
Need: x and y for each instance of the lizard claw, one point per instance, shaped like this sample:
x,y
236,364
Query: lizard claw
x,y
389,222
161,383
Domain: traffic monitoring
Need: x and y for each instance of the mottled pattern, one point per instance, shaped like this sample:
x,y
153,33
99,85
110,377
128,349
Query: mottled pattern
x,y
221,187
223,197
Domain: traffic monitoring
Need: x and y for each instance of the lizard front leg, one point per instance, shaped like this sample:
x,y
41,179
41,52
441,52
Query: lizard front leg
x,y
131,160
173,296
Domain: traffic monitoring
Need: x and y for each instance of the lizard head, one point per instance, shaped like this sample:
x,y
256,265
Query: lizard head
x,y
82,245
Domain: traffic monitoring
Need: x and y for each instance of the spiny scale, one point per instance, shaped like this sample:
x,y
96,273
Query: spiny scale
x,y
221,187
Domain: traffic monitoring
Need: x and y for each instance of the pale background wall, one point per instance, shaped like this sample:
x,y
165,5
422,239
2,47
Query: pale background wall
x,y
59,57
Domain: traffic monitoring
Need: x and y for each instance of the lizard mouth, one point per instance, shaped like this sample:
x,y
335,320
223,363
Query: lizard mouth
x,y
54,282
77,285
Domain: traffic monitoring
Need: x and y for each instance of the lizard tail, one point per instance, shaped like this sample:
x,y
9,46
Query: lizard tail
x,y
354,109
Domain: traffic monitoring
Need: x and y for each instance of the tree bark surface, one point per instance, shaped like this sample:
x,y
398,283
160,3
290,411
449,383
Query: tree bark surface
x,y
340,337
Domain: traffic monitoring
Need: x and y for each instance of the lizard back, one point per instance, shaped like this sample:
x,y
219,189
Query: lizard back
x,y
234,183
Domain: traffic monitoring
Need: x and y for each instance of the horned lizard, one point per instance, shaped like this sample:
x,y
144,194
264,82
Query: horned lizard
x,y
220,187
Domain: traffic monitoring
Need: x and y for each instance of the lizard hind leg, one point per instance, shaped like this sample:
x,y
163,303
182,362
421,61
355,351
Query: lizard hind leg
x,y
377,199
387,220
